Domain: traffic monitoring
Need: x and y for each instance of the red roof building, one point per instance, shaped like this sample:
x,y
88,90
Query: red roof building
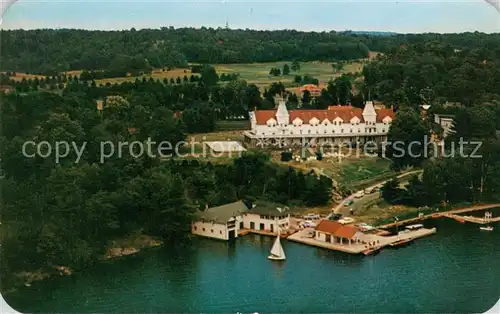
x,y
313,89
336,233
337,124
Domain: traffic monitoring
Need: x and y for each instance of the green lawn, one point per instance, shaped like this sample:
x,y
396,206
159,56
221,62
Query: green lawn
x,y
258,73
360,172
254,73
232,125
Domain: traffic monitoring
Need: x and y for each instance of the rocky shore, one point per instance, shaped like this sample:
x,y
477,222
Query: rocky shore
x,y
116,248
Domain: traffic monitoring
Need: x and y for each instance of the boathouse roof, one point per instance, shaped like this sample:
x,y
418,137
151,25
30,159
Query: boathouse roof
x,y
336,229
223,213
269,209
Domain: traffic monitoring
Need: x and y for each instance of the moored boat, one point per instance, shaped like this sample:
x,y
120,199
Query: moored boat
x,y
487,228
371,251
415,227
401,242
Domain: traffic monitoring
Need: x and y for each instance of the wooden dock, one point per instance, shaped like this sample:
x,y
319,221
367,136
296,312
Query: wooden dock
x,y
283,235
383,241
477,220
441,214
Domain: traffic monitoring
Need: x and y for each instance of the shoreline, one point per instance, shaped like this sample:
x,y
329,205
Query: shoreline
x,y
130,245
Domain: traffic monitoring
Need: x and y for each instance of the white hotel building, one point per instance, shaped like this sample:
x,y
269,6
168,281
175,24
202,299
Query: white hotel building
x,y
336,125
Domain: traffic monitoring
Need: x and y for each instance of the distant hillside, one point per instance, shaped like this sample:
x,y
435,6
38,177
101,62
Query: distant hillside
x,y
371,33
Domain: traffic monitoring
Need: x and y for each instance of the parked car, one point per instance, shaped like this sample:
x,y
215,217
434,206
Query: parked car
x,y
309,224
365,227
346,220
348,203
312,216
335,217
359,194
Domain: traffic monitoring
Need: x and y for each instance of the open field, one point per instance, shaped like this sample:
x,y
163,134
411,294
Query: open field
x,y
157,74
258,73
254,73
232,125
20,76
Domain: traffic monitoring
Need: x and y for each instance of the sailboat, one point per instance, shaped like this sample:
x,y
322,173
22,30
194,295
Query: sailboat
x,y
277,253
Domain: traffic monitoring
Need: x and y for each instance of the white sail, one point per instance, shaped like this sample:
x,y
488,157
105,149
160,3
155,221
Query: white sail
x,y
277,249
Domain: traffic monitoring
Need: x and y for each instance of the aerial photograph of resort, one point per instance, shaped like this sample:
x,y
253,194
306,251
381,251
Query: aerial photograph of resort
x,y
250,157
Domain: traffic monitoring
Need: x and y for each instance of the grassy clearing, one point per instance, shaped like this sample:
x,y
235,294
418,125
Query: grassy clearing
x,y
258,73
217,136
194,148
351,172
20,76
232,125
157,74
379,211
253,73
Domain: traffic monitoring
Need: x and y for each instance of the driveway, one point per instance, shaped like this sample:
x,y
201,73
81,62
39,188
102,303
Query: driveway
x,y
359,202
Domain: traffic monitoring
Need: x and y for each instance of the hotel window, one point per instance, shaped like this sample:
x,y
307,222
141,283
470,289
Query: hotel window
x,y
342,131
309,131
212,230
203,229
220,232
195,228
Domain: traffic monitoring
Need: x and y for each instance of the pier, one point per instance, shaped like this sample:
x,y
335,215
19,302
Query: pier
x,y
446,214
472,219
355,248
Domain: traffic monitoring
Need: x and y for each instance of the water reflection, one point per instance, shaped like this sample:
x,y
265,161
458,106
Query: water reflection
x,y
231,249
278,268
340,258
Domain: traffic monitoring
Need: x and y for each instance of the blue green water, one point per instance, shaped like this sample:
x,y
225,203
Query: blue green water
x,y
457,270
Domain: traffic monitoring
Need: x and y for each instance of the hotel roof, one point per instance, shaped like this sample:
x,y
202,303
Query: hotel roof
x,y
346,113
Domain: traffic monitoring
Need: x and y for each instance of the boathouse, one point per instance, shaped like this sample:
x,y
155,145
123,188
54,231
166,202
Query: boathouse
x,y
267,217
337,233
222,222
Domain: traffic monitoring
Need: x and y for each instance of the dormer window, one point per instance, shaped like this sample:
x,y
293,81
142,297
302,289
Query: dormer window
x,y
314,121
297,122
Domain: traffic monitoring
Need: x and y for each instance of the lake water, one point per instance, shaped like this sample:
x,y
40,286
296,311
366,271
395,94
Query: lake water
x,y
457,270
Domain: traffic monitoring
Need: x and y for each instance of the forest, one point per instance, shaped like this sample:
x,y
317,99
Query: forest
x,y
48,51
64,213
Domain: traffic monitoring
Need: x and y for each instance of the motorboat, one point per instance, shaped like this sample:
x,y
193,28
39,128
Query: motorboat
x,y
487,228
